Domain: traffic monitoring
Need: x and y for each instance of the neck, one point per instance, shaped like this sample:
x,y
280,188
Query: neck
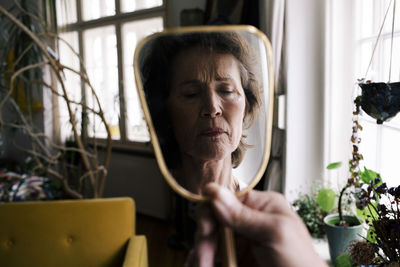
x,y
194,174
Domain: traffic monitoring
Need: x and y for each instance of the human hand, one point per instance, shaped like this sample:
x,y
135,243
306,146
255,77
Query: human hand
x,y
206,239
275,233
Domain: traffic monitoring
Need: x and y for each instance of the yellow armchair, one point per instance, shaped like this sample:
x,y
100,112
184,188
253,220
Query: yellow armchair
x,y
73,233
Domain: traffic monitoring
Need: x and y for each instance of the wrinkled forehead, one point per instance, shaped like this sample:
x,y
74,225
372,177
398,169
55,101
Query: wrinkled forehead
x,y
204,65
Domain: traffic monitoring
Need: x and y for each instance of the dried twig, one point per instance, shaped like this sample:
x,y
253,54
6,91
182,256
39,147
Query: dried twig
x,y
93,171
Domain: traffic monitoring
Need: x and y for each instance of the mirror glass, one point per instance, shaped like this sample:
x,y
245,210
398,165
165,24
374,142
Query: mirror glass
x,y
206,93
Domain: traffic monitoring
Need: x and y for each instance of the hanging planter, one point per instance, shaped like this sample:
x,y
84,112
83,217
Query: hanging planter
x,y
380,100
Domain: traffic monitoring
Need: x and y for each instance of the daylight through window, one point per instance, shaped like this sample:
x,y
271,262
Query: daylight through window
x,y
380,144
105,34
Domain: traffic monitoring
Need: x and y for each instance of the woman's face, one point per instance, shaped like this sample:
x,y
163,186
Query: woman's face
x,y
206,104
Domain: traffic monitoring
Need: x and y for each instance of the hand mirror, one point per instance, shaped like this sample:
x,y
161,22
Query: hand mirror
x,y
207,95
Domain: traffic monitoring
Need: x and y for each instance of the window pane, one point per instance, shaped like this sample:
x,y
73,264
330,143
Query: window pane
x,y
71,82
389,19
101,63
94,9
66,12
395,70
133,5
364,52
368,143
390,155
365,21
132,32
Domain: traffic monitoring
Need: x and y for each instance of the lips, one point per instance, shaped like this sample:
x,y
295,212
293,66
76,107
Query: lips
x,y
212,132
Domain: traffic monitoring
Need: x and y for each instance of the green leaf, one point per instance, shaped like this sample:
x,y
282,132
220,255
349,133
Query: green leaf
x,y
344,260
369,175
370,235
360,213
334,165
369,210
326,199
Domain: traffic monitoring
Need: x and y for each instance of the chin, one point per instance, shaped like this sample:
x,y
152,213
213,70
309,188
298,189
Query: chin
x,y
213,154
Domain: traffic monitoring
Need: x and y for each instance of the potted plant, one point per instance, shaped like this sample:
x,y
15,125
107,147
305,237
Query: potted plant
x,y
343,229
312,214
380,100
340,229
341,237
381,206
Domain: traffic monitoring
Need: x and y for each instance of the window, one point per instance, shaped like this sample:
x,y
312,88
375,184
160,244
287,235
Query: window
x,y
105,34
380,144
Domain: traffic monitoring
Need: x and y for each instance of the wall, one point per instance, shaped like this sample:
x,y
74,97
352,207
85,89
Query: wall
x,y
340,86
319,88
305,61
176,6
138,176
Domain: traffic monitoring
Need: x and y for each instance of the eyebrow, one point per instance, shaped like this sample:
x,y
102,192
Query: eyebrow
x,y
193,81
196,81
223,79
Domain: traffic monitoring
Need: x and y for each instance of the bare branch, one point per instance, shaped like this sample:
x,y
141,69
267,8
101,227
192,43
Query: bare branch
x,y
56,69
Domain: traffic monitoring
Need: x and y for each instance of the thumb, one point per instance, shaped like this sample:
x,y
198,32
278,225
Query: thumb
x,y
224,202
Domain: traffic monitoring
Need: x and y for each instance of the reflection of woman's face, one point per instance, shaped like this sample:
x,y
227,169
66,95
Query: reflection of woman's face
x,y
206,104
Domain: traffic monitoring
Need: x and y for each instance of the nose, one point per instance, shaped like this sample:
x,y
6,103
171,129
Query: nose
x,y
211,107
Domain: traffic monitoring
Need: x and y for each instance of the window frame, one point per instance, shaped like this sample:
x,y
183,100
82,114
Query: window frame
x,y
378,63
116,20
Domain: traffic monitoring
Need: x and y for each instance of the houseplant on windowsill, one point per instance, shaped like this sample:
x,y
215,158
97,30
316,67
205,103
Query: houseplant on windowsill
x,y
343,229
381,101
348,233
312,214
382,247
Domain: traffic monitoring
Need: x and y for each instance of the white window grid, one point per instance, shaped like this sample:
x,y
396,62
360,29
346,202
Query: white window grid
x,y
120,17
380,144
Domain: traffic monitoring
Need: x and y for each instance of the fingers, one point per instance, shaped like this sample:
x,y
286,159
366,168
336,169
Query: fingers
x,y
223,201
206,221
255,217
203,253
267,201
266,219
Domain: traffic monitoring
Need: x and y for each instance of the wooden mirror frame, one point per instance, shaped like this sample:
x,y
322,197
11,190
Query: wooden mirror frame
x,y
154,139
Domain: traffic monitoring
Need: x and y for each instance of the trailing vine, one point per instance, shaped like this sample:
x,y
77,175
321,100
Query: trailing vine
x,y
354,162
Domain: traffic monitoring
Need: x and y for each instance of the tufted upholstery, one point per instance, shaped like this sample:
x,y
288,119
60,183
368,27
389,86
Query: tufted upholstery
x,y
92,232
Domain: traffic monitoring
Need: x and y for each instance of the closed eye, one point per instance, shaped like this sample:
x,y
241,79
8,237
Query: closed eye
x,y
226,89
189,94
190,91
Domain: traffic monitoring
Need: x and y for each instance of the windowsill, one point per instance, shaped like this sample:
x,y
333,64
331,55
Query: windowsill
x,y
139,148
322,248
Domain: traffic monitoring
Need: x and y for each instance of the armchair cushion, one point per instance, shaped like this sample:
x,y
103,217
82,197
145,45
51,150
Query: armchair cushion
x,y
136,253
91,232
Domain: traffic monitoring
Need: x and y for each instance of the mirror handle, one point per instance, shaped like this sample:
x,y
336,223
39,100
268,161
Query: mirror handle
x,y
228,245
